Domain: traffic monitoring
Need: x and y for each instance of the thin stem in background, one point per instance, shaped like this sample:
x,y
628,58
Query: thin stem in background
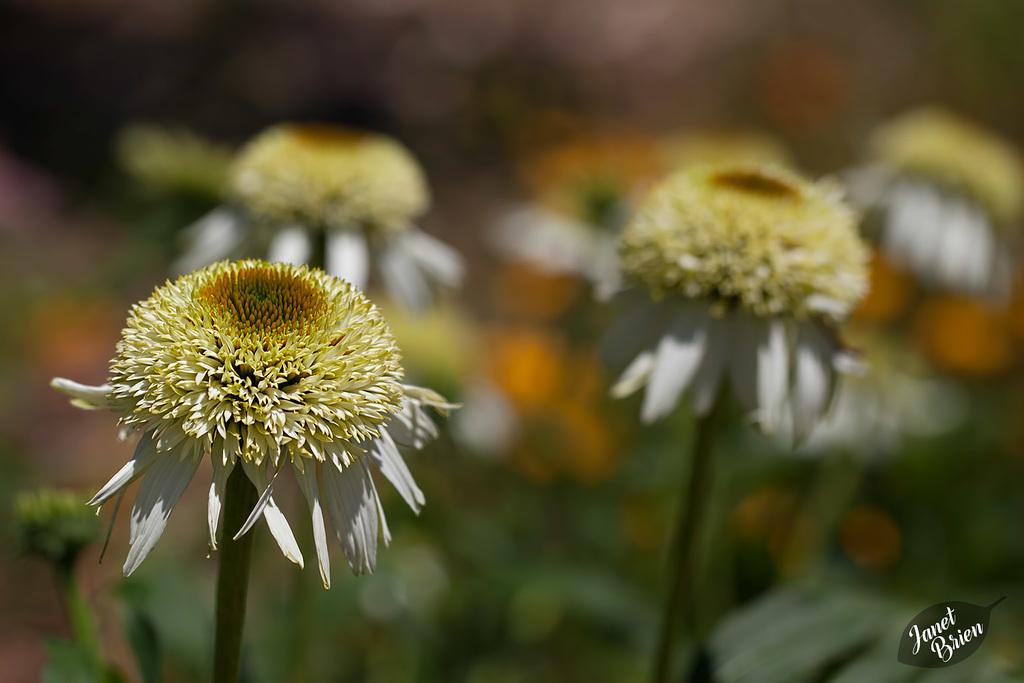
x,y
233,577
80,614
837,480
682,563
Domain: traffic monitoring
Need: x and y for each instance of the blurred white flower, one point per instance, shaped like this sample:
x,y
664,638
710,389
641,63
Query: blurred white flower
x,y
949,193
346,198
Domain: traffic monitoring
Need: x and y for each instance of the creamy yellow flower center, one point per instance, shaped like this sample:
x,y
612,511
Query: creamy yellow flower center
x,y
264,302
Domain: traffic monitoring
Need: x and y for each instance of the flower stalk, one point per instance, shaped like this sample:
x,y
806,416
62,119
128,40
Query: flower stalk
x,y
683,558
233,577
80,614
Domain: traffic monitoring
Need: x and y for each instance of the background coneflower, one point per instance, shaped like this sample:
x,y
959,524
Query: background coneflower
x,y
747,269
951,195
338,197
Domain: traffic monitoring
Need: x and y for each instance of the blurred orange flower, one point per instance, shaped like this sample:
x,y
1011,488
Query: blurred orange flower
x,y
889,295
766,516
526,292
870,537
527,364
964,336
557,392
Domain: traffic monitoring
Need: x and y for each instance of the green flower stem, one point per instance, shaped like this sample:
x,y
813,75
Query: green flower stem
x,y
233,577
682,563
80,614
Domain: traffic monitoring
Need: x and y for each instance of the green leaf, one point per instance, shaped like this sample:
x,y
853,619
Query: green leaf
x,y
836,633
70,662
142,636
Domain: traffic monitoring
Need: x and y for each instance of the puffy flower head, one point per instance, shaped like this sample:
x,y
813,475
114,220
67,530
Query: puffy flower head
x,y
251,357
329,177
756,236
261,365
54,524
954,153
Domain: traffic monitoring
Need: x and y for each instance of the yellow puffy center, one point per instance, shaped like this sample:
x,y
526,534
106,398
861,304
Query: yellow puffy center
x,y
264,302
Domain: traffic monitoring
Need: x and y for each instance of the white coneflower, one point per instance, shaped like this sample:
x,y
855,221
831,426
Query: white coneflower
x,y
949,193
581,193
351,194
261,365
748,267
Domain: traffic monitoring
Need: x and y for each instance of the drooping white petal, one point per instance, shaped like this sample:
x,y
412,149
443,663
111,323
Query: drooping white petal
x,y
210,239
604,270
677,358
705,386
634,376
267,506
772,375
929,215
915,214
161,488
439,260
634,331
429,397
351,505
348,257
309,483
216,499
813,380
83,395
144,457
404,280
411,426
824,305
290,245
385,532
986,255
389,461
958,248
760,367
